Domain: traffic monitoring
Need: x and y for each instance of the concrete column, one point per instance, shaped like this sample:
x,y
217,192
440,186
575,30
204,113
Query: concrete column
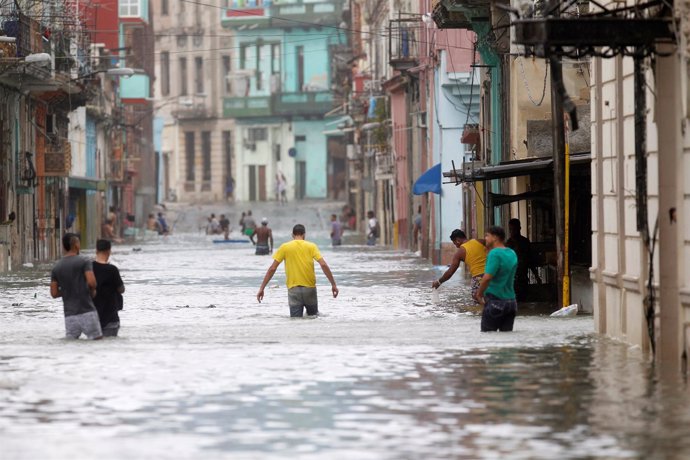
x,y
600,311
669,117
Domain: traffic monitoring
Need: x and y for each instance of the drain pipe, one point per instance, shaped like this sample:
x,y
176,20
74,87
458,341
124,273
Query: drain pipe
x,y
641,192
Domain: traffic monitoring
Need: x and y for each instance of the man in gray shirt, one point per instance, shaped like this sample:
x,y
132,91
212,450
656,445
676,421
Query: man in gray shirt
x,y
72,279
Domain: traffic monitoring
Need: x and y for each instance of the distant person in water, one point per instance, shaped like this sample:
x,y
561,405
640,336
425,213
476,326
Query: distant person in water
x,y
225,226
243,227
162,225
109,290
299,256
249,224
152,223
336,231
72,278
264,238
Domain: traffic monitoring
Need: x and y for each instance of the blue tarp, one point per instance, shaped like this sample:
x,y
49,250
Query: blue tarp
x,y
430,181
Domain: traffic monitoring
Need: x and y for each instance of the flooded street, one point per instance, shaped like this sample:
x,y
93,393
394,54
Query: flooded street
x,y
201,370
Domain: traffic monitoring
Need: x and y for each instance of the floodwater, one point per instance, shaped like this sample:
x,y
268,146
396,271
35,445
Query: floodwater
x,y
201,370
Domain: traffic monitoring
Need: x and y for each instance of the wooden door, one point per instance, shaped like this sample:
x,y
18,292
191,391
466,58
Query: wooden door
x,y
262,183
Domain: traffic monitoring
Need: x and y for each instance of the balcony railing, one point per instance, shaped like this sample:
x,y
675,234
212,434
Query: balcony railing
x,y
191,108
117,170
58,159
240,107
320,12
266,12
305,103
402,43
246,12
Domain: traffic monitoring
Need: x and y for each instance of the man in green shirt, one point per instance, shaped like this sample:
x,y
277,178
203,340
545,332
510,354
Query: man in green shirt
x,y
496,292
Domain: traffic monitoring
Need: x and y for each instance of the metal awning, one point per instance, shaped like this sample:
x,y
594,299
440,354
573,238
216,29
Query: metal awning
x,y
86,183
471,173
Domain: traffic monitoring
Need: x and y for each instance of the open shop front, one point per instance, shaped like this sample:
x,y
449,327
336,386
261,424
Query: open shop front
x,y
536,207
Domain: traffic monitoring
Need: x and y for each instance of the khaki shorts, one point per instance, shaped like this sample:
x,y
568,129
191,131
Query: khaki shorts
x,y
86,323
299,298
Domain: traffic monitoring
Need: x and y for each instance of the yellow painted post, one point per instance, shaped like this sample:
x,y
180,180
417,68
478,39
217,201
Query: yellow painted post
x,y
566,226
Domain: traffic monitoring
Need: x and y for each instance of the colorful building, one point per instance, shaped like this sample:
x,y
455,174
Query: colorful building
x,y
281,80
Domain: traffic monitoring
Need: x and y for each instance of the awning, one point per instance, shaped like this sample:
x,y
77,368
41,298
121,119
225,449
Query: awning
x,y
430,181
470,172
86,184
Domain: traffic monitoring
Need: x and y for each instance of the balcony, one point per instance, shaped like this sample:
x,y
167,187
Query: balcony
x,y
116,171
317,12
281,13
246,12
449,19
402,43
306,103
58,159
243,107
191,108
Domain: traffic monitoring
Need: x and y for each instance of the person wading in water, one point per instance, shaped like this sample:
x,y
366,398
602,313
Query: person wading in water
x,y
299,256
473,253
264,239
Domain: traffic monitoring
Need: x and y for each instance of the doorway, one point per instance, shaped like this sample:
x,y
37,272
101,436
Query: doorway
x,y
252,183
301,179
257,183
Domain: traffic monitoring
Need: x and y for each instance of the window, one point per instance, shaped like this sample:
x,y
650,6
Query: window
x,y
275,58
165,73
130,8
199,75
257,134
164,7
276,151
189,155
206,154
259,73
243,56
183,76
227,152
227,68
299,53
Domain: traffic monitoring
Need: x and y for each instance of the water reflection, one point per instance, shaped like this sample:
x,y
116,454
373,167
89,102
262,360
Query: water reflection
x,y
202,371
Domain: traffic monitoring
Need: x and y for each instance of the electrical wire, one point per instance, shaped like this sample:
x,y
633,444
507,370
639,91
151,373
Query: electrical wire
x,y
524,80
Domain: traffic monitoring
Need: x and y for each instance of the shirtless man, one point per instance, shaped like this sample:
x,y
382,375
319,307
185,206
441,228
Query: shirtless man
x,y
473,253
264,236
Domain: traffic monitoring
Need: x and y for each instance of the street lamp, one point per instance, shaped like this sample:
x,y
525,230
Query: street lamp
x,y
37,58
124,72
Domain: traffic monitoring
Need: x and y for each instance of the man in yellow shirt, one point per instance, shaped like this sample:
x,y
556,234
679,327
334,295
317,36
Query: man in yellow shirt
x,y
473,253
299,256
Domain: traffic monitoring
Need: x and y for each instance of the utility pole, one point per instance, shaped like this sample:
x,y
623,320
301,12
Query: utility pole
x,y
558,134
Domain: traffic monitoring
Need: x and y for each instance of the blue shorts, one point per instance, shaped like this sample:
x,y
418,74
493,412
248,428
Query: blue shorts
x,y
498,314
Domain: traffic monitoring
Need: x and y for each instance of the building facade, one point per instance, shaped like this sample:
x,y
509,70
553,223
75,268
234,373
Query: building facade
x,y
193,61
280,84
44,51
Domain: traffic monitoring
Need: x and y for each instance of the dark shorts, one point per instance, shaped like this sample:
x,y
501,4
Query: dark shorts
x,y
262,250
111,329
299,298
498,314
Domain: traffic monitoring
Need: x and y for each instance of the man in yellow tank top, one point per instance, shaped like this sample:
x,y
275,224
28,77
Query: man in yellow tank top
x,y
473,253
